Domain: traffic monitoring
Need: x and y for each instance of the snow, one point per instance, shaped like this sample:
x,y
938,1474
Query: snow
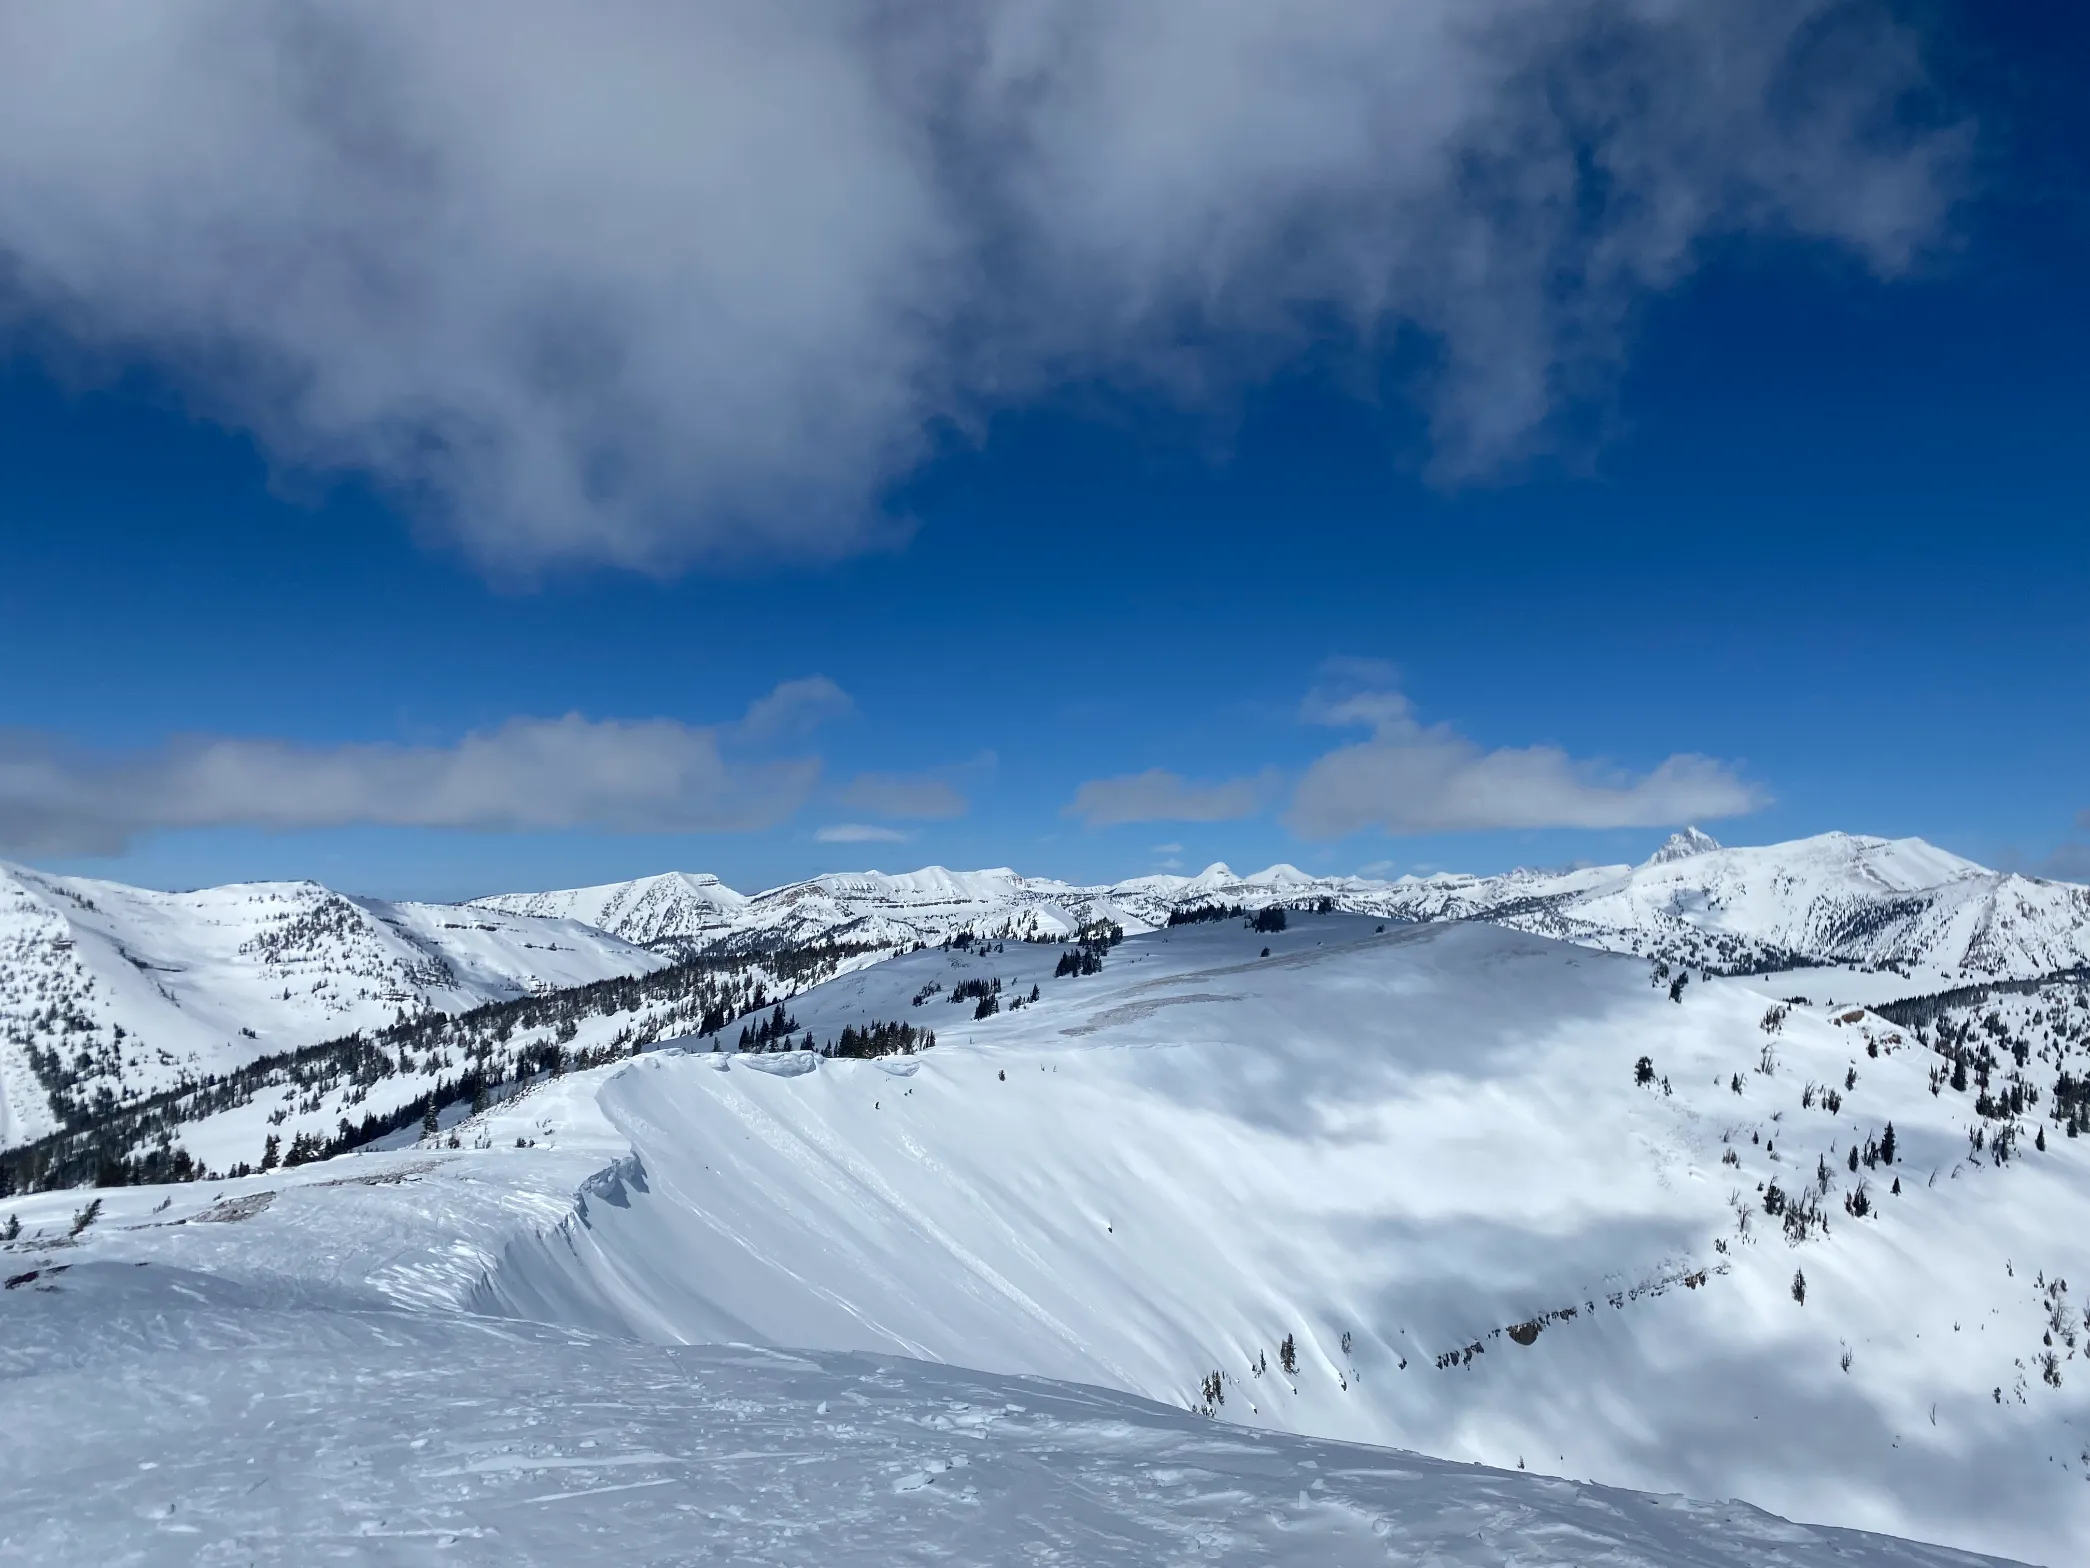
x,y
159,987
274,1432
1421,1138
1901,906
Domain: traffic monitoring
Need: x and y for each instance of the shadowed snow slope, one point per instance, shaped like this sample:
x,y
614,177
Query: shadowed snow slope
x,y
1421,1155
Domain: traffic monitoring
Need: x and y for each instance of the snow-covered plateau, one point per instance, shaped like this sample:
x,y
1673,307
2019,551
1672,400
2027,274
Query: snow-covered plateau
x,y
1452,1188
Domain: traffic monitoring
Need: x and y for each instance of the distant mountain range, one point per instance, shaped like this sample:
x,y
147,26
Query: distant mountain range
x,y
109,993
1897,906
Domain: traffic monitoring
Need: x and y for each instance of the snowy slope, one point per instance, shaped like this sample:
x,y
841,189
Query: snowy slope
x,y
1421,1153
336,1433
120,991
1898,906
1421,1139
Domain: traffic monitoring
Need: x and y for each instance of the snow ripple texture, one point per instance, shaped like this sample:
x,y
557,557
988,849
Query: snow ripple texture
x,y
158,1417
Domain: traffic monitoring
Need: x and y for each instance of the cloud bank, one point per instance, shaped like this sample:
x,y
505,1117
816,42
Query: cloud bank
x,y
652,284
1412,778
1415,778
656,775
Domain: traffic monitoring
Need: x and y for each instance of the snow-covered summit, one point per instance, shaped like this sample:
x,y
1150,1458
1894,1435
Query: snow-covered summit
x,y
1681,846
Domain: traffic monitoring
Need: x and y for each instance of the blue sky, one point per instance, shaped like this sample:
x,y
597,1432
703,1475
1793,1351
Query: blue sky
x,y
1811,515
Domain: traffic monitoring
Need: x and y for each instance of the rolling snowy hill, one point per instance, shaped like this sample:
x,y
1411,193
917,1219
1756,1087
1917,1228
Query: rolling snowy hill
x,y
1424,1157
109,993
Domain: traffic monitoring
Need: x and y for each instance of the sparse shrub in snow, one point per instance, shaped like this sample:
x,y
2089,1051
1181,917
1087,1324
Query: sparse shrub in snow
x,y
12,1228
86,1217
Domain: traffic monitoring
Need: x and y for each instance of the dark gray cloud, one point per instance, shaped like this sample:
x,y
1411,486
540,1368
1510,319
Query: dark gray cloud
x,y
651,283
655,775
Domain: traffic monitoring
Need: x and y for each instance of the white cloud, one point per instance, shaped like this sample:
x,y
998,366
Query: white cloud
x,y
655,775
651,283
1160,796
1166,849
919,796
795,709
1411,778
860,833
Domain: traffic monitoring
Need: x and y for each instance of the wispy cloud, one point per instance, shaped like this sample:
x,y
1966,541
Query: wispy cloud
x,y
1412,778
652,283
654,775
1160,796
860,833
919,796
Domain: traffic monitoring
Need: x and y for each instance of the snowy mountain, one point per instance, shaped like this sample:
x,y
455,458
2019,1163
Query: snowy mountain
x,y
675,909
109,993
1895,905
1452,1187
1901,907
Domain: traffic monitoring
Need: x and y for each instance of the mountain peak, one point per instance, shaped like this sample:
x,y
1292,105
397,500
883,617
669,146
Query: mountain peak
x,y
1682,846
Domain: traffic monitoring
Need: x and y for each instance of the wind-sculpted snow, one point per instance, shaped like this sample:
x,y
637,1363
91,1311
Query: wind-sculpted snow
x,y
163,1415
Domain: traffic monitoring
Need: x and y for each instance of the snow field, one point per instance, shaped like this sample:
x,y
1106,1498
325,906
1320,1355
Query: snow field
x,y
160,1416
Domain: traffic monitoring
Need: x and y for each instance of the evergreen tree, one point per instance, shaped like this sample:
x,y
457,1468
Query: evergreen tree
x,y
1288,1356
1887,1148
271,1152
1799,1287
